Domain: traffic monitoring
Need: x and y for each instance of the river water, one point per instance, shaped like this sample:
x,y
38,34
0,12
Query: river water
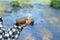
x,y
46,22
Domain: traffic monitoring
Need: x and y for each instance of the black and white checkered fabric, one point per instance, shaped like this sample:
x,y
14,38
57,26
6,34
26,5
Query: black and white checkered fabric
x,y
12,34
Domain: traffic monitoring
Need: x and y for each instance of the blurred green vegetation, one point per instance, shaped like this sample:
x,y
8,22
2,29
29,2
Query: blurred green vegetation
x,y
2,8
15,4
55,3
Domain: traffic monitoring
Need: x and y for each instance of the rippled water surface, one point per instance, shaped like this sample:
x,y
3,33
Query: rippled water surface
x,y
46,26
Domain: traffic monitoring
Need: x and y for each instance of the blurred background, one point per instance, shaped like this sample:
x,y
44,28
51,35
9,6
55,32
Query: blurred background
x,y
46,15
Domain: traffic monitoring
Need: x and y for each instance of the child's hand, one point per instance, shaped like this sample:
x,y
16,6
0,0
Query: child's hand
x,y
28,21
